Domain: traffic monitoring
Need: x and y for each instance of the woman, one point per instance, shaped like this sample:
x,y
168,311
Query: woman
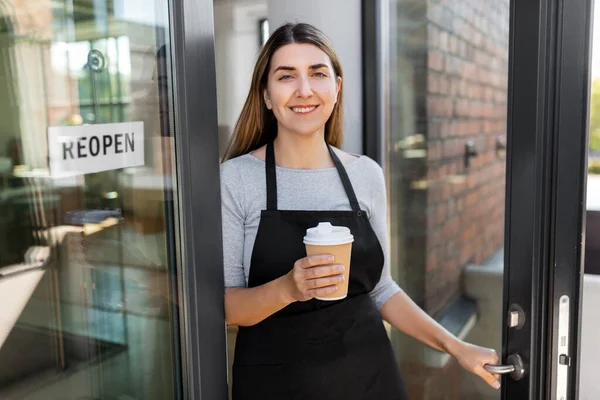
x,y
284,174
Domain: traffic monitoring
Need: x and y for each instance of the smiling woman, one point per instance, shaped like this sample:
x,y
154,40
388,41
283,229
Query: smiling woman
x,y
302,334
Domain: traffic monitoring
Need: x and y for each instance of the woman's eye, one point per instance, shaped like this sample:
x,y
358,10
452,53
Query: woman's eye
x,y
320,74
285,77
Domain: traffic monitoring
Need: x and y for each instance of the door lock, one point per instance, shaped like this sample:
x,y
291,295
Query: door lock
x,y
515,367
516,317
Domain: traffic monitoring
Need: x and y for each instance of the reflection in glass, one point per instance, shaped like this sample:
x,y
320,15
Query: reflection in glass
x,y
447,75
87,263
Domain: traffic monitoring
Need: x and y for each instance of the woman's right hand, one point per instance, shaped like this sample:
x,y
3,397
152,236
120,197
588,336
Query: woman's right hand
x,y
313,276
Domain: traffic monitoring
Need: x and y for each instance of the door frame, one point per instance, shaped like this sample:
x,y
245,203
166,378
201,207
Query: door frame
x,y
200,267
571,156
548,102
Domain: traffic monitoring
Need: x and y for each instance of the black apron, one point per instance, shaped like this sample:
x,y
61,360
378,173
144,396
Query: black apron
x,y
318,350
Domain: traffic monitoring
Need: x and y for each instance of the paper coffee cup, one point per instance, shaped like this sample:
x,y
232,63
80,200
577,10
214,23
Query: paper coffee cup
x,y
337,241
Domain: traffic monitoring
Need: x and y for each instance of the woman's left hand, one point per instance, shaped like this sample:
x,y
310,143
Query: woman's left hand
x,y
473,358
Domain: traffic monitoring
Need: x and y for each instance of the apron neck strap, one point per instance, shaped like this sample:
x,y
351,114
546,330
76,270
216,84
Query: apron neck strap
x,y
272,178
345,179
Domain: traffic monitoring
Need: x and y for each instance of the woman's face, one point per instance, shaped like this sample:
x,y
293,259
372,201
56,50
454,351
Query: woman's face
x,y
302,88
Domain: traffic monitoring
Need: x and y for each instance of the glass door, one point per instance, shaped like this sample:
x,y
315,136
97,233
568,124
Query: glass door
x,y
482,135
88,194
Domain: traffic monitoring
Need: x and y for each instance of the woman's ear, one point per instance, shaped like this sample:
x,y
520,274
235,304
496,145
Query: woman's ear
x,y
338,88
267,99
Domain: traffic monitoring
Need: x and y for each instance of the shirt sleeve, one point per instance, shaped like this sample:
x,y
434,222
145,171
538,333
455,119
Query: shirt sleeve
x,y
233,219
386,287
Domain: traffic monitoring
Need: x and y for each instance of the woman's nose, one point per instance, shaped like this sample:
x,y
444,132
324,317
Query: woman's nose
x,y
304,88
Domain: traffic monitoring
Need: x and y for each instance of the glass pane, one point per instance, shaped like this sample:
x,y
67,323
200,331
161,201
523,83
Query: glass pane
x,y
445,164
124,68
87,272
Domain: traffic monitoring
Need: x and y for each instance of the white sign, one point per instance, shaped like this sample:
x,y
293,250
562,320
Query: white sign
x,y
85,149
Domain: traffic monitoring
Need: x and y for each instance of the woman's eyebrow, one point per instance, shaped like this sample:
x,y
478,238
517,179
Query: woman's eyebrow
x,y
288,68
317,66
284,68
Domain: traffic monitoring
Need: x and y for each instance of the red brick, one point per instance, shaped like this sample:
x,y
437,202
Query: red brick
x,y
463,87
474,91
461,108
460,205
458,188
433,36
453,44
464,50
472,198
434,129
433,173
468,234
444,84
443,41
445,192
451,227
500,96
452,148
433,83
434,151
477,39
441,214
452,65
438,106
435,60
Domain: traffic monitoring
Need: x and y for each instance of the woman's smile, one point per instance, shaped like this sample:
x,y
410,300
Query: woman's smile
x,y
304,110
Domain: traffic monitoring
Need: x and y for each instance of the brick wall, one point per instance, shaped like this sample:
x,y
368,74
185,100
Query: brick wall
x,y
450,73
467,74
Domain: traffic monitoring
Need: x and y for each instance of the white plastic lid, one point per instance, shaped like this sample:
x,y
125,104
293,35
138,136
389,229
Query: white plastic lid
x,y
326,234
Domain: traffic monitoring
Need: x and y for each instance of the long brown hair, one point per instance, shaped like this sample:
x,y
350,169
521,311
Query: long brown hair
x,y
257,124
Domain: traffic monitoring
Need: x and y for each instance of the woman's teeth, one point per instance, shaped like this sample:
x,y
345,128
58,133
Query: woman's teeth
x,y
303,110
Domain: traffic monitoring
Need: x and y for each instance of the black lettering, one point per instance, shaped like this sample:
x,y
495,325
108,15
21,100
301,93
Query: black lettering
x,y
94,139
80,147
129,142
67,147
106,142
118,143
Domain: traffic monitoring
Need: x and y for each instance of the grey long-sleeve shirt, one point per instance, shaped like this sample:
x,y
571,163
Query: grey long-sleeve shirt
x,y
243,193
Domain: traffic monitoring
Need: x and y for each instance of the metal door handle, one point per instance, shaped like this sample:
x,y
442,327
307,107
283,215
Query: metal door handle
x,y
499,369
515,367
